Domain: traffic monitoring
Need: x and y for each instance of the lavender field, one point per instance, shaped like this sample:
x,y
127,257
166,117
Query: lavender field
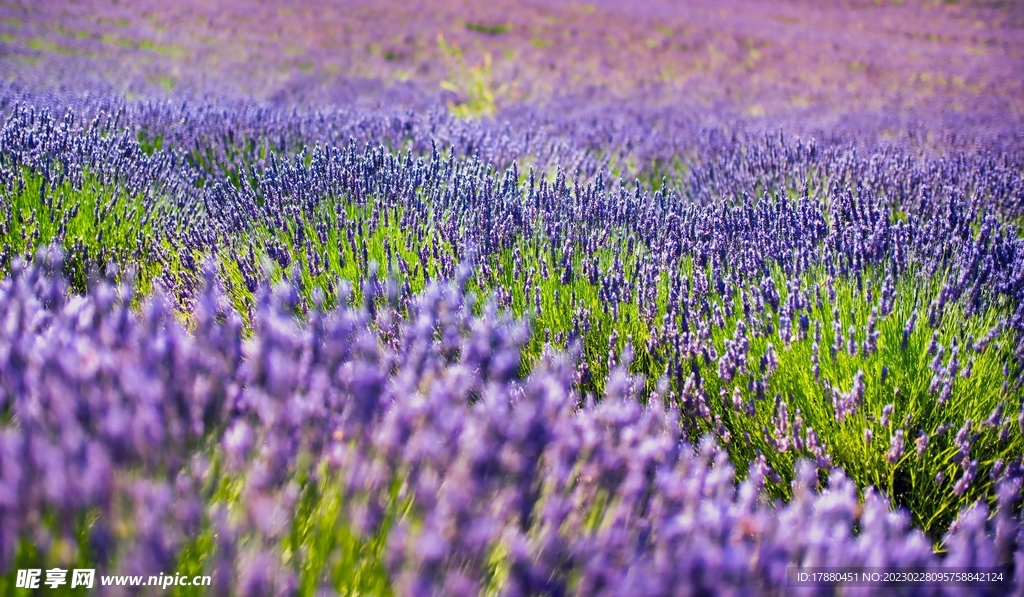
x,y
511,298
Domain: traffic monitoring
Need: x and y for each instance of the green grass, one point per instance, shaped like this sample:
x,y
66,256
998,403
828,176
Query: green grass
x,y
96,224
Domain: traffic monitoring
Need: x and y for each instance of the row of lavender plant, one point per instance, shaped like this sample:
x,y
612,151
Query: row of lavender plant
x,y
629,139
865,294
791,296
782,58
377,449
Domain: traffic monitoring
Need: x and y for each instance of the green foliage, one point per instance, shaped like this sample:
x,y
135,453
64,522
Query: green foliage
x,y
474,84
910,481
327,550
489,29
96,224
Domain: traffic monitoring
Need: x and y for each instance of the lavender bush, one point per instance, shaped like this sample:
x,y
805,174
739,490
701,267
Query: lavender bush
x,y
357,447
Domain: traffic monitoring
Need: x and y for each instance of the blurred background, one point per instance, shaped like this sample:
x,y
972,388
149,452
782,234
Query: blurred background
x,y
748,58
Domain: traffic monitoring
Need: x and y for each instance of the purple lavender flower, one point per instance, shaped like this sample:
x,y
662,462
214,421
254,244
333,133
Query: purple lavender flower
x,y
886,414
895,447
922,443
965,481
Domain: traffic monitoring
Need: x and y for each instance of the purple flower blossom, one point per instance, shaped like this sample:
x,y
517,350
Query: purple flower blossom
x,y
895,447
922,443
886,414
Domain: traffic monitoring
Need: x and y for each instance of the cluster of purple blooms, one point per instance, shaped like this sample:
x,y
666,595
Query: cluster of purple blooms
x,y
757,216
123,415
